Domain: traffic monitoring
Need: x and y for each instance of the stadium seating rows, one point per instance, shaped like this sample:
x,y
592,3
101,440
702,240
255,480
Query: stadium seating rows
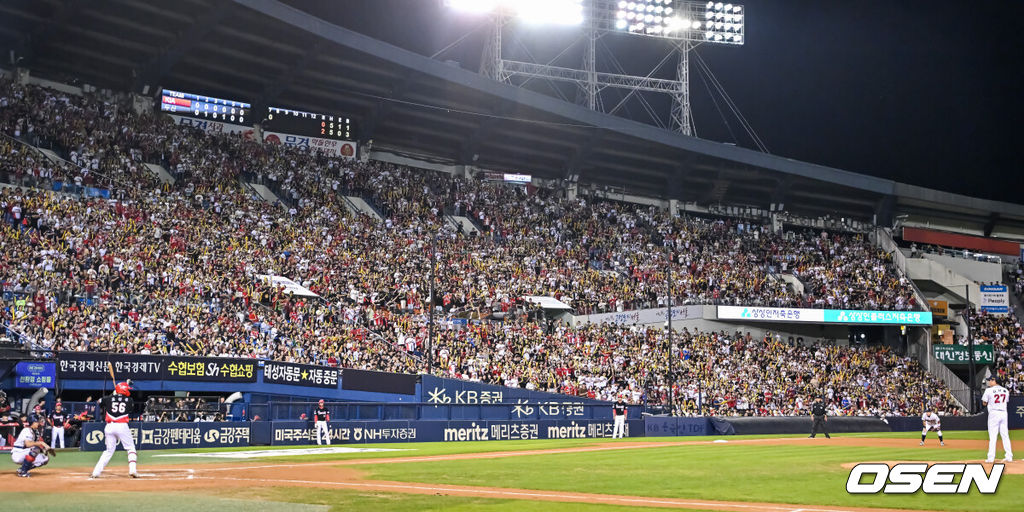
x,y
171,268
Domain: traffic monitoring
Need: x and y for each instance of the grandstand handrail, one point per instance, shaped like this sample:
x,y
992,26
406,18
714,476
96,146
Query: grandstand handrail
x,y
58,158
958,389
885,241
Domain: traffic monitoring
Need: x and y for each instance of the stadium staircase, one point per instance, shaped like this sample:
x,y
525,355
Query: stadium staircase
x,y
264,193
919,346
360,205
161,173
463,224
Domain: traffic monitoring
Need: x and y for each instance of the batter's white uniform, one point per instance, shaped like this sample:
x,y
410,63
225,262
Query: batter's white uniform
x,y
931,422
19,450
995,398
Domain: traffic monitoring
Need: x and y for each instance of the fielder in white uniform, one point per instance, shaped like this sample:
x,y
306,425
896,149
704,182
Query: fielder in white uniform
x,y
116,410
931,421
28,451
995,398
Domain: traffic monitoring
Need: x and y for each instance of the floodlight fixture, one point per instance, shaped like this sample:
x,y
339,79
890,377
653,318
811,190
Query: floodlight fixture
x,y
551,12
684,23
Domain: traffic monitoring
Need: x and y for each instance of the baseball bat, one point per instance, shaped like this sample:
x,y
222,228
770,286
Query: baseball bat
x,y
112,378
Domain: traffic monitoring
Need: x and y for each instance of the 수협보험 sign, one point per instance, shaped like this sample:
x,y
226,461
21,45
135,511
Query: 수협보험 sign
x,y
32,374
827,316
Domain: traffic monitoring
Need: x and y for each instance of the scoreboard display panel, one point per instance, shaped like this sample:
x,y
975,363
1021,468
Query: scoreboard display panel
x,y
205,107
308,124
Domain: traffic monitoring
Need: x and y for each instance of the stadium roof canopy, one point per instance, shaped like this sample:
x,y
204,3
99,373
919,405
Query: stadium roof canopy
x,y
266,52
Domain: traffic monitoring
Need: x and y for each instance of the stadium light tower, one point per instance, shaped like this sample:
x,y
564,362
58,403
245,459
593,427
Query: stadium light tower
x,y
683,23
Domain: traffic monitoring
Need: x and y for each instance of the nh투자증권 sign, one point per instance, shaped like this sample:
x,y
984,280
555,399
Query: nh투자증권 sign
x,y
961,354
300,374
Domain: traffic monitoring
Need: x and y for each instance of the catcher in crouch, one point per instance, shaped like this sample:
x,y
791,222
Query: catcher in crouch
x,y
30,450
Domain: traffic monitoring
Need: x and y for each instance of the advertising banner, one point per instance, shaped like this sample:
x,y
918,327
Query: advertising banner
x,y
643,316
93,365
211,126
294,374
157,436
436,390
33,374
339,148
1015,410
855,316
302,432
995,299
379,382
664,426
939,307
771,314
827,316
960,354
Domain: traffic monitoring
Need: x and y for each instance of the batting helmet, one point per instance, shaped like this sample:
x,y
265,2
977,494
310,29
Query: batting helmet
x,y
123,388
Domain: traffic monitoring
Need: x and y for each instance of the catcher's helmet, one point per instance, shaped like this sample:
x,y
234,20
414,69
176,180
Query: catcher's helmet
x,y
123,388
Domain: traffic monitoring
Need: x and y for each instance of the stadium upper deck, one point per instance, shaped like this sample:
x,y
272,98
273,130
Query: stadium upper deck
x,y
266,52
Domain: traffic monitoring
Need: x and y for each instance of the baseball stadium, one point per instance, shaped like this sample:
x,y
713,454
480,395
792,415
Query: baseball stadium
x,y
496,255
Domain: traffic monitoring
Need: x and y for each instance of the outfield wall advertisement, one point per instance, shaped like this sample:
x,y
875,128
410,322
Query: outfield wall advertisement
x,y
302,432
824,316
160,436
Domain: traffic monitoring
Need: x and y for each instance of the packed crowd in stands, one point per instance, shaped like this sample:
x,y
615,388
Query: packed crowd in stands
x,y
171,268
1006,335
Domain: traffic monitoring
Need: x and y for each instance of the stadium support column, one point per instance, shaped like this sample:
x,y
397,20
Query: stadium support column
x,y
590,61
490,62
682,120
671,349
971,369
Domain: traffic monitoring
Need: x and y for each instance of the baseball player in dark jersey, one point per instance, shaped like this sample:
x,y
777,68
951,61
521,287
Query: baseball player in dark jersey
x,y
820,420
116,409
619,413
57,420
320,418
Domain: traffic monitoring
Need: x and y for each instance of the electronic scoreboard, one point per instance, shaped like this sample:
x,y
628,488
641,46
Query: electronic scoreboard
x,y
205,107
308,124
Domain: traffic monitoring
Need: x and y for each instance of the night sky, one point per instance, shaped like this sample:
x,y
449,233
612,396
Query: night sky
x,y
928,93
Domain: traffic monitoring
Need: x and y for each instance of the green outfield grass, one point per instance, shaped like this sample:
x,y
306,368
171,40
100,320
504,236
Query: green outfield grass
x,y
810,475
806,474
